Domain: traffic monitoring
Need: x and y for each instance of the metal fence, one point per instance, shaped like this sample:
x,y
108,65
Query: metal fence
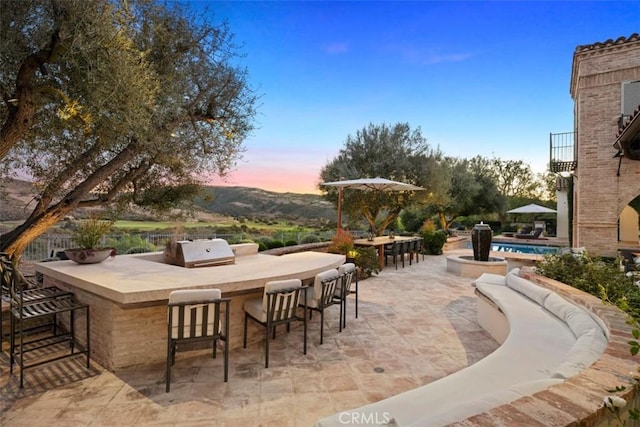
x,y
46,246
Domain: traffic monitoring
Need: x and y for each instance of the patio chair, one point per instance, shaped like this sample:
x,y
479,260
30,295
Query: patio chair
x,y
278,306
195,316
535,234
405,250
419,248
349,276
392,250
26,312
322,296
630,262
32,292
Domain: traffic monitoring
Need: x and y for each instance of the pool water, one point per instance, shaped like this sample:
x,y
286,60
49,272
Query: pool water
x,y
522,249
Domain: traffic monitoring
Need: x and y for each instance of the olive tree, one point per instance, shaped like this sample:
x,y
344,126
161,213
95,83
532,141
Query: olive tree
x,y
116,103
470,190
393,152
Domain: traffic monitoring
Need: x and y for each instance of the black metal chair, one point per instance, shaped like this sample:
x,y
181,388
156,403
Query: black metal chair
x,y
43,348
419,248
322,296
392,250
31,292
195,316
405,249
415,249
347,286
278,306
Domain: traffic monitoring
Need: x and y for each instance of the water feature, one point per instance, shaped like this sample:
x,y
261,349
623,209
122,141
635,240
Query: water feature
x,y
480,262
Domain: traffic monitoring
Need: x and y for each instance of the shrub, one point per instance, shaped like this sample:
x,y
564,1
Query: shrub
x,y
272,244
126,242
597,276
433,238
366,259
311,238
262,246
290,243
342,243
137,250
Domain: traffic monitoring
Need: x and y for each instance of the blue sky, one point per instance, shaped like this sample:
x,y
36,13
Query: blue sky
x,y
489,78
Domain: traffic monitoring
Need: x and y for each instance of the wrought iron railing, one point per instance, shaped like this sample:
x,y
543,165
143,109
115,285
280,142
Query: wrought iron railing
x,y
562,152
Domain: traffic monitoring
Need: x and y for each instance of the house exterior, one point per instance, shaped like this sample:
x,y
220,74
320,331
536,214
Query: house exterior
x,y
599,163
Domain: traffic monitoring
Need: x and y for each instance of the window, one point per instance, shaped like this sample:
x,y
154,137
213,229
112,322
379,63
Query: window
x,y
630,97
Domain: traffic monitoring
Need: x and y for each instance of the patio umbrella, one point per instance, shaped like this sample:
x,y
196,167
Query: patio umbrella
x,y
368,184
532,208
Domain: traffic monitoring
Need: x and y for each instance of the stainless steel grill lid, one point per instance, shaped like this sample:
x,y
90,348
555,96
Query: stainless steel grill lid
x,y
199,253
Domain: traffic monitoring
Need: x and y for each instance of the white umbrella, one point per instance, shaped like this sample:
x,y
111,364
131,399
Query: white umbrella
x,y
371,184
532,208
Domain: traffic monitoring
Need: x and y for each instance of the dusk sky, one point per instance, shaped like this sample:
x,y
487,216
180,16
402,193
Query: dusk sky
x,y
488,78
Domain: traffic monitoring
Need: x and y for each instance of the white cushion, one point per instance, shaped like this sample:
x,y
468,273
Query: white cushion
x,y
198,299
490,279
576,318
587,349
314,297
278,285
528,289
257,307
345,269
191,295
253,306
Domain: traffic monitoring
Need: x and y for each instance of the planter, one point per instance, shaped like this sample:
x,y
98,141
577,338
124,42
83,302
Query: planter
x,y
88,256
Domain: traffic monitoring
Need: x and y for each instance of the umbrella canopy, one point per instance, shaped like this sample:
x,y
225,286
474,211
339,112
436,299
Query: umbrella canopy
x,y
378,184
532,208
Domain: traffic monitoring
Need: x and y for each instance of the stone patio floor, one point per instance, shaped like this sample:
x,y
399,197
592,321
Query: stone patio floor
x,y
415,325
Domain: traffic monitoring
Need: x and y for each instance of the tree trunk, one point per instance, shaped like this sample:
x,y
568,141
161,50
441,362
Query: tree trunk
x,y
443,221
22,108
44,217
16,241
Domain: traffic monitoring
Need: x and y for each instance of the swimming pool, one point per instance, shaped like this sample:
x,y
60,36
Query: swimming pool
x,y
522,249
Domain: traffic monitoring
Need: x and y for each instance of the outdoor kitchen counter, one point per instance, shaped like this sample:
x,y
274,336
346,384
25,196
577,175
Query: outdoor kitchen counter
x,y
141,278
128,297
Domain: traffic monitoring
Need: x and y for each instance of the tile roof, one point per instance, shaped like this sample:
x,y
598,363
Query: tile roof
x,y
620,40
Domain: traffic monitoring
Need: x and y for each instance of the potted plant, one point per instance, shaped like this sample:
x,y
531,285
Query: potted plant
x,y
88,236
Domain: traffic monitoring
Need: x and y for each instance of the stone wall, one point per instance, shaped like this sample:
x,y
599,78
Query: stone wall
x,y
578,400
599,194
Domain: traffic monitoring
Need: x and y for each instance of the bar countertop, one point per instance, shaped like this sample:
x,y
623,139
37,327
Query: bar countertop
x,y
144,278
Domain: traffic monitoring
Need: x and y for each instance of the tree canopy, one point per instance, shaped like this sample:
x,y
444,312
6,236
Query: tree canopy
x,y
394,152
116,103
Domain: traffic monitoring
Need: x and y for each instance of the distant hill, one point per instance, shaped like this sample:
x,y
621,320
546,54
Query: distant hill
x,y
17,199
256,203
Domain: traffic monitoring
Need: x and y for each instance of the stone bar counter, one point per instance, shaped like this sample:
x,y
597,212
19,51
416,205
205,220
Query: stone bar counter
x,y
128,296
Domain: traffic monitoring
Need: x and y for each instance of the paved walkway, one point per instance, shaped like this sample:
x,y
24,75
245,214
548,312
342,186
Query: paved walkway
x,y
415,325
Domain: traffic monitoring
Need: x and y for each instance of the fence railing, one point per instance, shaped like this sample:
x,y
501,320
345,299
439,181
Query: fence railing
x,y
46,246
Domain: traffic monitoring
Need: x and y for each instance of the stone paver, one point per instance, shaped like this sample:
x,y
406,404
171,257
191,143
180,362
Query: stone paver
x,y
415,325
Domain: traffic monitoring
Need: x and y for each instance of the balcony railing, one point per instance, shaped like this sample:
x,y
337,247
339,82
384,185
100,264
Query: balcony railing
x,y
562,154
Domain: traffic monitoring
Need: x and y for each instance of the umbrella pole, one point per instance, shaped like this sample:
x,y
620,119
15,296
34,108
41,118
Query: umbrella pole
x,y
340,208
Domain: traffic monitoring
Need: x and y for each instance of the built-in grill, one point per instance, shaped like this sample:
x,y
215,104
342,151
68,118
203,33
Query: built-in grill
x,y
199,253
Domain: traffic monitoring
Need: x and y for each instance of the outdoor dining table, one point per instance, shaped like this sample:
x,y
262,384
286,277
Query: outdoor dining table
x,y
379,243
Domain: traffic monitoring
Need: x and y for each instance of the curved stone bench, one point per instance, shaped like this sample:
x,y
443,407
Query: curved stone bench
x,y
548,370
